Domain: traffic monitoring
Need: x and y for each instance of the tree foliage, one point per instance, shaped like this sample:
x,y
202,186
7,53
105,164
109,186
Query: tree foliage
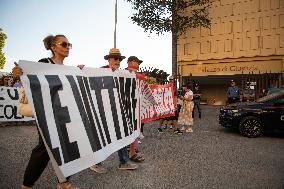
x,y
160,16
3,37
175,16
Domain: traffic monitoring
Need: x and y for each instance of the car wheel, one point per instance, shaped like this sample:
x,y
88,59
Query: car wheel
x,y
250,127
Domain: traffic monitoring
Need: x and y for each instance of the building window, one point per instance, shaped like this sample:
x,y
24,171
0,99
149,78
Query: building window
x,y
186,49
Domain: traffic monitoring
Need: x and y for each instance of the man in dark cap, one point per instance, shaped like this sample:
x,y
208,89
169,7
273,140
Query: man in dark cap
x,y
233,93
133,63
248,94
133,66
196,99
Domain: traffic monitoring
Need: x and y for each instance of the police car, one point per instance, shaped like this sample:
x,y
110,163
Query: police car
x,y
253,118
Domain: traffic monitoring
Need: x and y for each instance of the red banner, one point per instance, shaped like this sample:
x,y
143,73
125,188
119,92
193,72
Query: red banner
x,y
157,101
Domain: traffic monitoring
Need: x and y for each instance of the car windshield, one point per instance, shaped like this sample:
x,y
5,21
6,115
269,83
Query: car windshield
x,y
271,96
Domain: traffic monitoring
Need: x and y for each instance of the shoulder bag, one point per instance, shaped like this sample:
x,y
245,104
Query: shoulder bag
x,y
24,107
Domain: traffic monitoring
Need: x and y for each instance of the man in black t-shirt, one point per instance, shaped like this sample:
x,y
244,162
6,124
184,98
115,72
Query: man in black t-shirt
x,y
196,99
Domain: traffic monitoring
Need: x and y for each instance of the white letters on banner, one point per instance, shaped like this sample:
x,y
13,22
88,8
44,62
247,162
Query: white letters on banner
x,y
156,101
9,100
83,115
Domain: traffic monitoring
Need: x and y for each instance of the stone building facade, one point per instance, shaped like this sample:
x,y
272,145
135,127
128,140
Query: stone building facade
x,y
245,39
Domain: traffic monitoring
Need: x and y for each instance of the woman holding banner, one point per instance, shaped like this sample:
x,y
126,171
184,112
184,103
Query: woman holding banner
x,y
59,46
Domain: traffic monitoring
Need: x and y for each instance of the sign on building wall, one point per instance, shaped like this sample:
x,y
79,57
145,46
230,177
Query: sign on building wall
x,y
273,66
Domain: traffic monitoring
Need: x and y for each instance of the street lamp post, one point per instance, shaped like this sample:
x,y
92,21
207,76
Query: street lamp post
x,y
115,22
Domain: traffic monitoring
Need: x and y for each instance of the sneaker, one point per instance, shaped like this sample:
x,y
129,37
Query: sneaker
x,y
165,126
139,142
65,185
182,129
127,166
141,136
189,130
160,130
171,127
98,168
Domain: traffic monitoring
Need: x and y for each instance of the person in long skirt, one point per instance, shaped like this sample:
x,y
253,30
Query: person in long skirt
x,y
185,115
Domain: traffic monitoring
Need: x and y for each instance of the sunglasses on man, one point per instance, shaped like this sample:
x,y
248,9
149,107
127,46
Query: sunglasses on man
x,y
120,59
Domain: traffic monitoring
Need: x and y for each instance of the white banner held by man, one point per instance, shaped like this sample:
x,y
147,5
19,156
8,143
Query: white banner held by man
x,y
83,115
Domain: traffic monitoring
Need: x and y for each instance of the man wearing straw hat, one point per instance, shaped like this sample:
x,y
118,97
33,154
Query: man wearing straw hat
x,y
114,58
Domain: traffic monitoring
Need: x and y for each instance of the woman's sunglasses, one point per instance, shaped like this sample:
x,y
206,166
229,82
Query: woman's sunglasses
x,y
65,45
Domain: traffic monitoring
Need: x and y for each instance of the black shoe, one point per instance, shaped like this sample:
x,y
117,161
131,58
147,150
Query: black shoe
x,y
160,130
199,116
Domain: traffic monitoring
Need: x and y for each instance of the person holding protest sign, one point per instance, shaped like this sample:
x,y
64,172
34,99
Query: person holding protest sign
x,y
172,119
8,81
185,115
59,46
16,75
114,58
133,66
165,121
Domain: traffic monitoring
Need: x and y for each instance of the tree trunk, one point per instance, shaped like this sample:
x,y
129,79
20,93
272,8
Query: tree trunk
x,y
174,54
174,41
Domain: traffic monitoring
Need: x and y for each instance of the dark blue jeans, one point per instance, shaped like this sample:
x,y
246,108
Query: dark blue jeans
x,y
123,155
196,105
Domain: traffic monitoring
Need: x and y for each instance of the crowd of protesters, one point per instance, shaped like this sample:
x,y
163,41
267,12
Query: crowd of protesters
x,y
10,79
7,80
188,102
59,47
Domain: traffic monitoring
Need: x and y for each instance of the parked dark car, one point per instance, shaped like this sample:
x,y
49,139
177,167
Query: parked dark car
x,y
253,118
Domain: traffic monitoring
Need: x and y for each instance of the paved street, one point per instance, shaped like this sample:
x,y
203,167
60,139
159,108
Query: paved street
x,y
210,157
